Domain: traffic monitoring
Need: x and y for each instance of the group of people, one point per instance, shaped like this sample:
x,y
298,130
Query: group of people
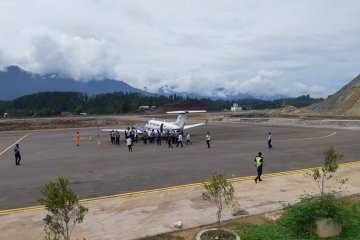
x,y
170,137
115,137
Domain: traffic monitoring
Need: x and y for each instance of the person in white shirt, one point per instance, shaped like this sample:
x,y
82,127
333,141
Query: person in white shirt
x,y
179,140
188,139
129,144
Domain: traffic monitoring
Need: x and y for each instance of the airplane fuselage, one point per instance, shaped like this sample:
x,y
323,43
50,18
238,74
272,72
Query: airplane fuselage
x,y
162,126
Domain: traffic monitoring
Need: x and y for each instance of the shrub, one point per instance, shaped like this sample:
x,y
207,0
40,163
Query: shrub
x,y
301,216
65,210
220,191
323,174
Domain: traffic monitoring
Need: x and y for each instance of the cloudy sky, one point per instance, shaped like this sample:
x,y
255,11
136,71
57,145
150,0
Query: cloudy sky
x,y
262,47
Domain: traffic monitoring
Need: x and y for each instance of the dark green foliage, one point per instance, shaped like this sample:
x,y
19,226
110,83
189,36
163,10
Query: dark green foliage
x,y
301,217
45,104
64,209
286,227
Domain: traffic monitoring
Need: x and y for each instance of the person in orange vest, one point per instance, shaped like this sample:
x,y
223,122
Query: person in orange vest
x,y
77,139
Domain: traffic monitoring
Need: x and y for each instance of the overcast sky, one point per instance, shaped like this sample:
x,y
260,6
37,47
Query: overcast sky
x,y
259,47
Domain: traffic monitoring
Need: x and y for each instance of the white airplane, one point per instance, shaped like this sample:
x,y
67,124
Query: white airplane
x,y
163,126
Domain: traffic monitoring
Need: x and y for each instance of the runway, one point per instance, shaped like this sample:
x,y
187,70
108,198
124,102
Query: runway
x,y
107,169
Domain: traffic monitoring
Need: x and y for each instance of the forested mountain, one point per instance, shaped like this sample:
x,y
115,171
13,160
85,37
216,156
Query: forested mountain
x,y
55,103
15,82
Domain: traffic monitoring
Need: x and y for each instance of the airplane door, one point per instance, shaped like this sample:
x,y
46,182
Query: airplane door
x,y
161,127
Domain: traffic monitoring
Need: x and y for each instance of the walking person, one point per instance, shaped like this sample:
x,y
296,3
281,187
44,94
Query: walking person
x,y
129,143
208,139
112,136
169,139
158,138
17,154
179,140
188,139
117,138
77,138
259,166
269,140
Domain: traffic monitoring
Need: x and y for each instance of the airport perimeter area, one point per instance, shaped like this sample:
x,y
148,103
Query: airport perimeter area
x,y
151,188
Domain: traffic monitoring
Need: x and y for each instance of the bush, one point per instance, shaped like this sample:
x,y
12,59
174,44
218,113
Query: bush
x,y
300,217
220,191
65,212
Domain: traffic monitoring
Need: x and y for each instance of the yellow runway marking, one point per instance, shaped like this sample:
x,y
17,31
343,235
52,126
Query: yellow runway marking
x,y
19,140
280,140
124,195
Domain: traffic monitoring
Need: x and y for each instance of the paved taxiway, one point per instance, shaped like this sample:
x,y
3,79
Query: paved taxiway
x,y
110,169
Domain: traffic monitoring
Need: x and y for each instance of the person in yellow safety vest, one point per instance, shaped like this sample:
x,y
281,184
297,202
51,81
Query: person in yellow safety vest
x,y
208,139
259,166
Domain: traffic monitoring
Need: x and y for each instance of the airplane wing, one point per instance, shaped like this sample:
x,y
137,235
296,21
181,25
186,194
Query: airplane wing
x,y
193,125
135,127
121,130
186,111
113,129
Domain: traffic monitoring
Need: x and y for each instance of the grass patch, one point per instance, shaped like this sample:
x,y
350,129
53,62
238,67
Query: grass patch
x,y
267,231
163,237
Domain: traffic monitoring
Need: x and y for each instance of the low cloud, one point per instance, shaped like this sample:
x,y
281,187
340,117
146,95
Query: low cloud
x,y
203,47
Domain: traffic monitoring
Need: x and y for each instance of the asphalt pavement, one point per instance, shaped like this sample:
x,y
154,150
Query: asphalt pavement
x,y
97,168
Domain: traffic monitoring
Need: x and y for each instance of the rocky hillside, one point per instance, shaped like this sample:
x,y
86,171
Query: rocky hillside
x,y
344,102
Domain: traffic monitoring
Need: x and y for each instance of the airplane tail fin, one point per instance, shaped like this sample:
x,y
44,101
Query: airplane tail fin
x,y
180,121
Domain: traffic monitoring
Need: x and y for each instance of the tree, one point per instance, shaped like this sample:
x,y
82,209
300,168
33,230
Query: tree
x,y
220,191
64,208
323,174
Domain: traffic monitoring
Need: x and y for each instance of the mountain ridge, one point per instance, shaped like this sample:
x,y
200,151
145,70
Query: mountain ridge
x,y
346,101
16,82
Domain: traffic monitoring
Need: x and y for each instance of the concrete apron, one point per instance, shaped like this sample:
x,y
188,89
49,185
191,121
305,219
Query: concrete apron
x,y
153,213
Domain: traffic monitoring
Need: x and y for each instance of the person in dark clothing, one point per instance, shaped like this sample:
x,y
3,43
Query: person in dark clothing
x,y
158,138
117,138
269,140
17,154
169,140
112,136
145,137
174,137
259,166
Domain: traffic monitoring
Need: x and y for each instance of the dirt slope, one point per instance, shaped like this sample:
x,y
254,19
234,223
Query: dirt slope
x,y
344,102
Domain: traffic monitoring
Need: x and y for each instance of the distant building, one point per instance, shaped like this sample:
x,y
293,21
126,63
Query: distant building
x,y
237,108
144,107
